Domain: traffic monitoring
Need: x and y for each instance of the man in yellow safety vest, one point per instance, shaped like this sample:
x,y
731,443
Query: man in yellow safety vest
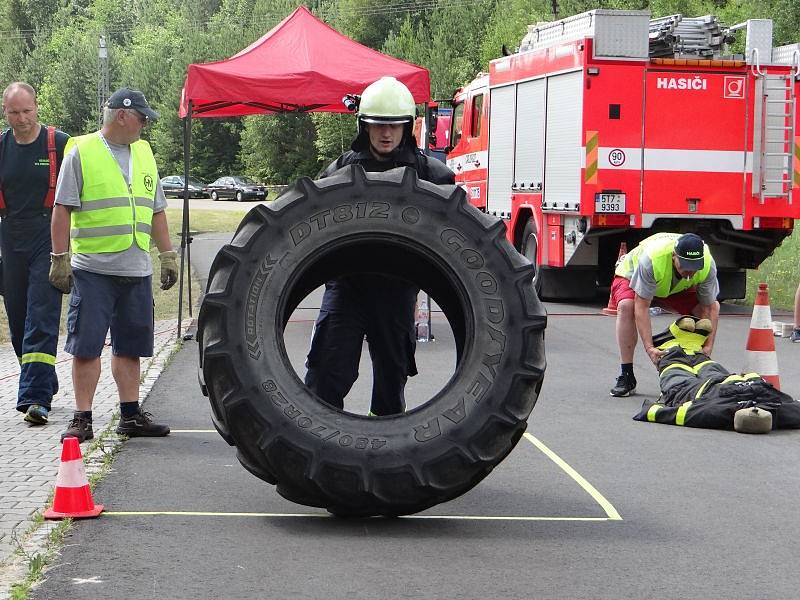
x,y
666,269
109,203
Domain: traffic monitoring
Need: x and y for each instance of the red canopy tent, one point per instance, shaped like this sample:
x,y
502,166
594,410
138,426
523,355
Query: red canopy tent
x,y
300,65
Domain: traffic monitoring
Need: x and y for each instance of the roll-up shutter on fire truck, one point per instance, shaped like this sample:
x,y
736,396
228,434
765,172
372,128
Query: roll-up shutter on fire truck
x,y
501,149
529,158
562,185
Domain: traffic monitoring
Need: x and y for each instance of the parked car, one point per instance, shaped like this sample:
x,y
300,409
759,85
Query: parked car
x,y
173,186
238,188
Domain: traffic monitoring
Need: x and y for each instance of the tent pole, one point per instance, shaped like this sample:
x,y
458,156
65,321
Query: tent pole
x,y
185,239
426,147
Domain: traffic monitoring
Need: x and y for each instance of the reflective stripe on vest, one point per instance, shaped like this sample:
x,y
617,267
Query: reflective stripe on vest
x,y
111,216
659,248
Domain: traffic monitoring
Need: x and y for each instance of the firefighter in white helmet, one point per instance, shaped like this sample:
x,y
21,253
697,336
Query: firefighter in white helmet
x,y
376,306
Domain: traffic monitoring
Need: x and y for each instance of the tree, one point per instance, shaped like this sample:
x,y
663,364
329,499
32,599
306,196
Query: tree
x,y
63,69
335,132
509,24
369,21
279,148
214,148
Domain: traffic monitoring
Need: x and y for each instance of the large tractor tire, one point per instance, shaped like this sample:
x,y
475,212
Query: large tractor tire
x,y
395,224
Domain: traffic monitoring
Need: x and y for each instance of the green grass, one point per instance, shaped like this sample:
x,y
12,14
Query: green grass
x,y
204,221
781,272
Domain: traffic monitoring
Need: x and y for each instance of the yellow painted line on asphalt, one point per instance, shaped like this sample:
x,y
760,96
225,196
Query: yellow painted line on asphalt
x,y
177,513
612,513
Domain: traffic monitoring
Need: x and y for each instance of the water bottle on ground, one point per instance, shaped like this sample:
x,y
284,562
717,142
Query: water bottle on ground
x,y
422,326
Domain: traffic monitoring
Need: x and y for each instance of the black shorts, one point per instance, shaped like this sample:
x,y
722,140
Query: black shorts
x,y
102,302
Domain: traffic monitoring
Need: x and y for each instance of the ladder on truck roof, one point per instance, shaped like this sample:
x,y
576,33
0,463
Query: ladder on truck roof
x,y
696,37
775,148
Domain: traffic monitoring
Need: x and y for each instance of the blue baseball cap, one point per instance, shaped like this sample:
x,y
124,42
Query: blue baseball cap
x,y
690,250
128,98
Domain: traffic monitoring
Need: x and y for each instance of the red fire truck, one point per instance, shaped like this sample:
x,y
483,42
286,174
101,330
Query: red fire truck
x,y
608,126
434,128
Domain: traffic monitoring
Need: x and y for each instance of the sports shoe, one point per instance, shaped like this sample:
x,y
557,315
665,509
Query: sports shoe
x,y
626,385
79,427
141,425
36,414
795,337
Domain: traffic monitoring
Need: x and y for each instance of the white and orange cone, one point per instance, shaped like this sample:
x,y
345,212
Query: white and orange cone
x,y
611,309
73,497
761,356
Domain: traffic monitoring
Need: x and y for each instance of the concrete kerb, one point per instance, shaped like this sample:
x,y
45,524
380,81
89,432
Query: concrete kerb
x,y
31,455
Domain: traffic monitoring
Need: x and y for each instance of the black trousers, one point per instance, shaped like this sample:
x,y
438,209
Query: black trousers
x,y
33,307
336,345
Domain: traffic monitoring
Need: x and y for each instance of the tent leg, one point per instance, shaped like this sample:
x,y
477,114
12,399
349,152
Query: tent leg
x,y
185,239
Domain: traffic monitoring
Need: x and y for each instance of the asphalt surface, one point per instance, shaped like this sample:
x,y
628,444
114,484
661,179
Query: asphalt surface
x,y
667,512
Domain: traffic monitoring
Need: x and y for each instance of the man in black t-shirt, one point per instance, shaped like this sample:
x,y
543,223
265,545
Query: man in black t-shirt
x,y
32,304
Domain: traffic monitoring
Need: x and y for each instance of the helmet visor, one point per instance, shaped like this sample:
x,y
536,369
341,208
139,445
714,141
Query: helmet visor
x,y
385,120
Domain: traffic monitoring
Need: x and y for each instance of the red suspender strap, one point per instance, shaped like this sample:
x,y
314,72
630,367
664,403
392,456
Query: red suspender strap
x,y
50,198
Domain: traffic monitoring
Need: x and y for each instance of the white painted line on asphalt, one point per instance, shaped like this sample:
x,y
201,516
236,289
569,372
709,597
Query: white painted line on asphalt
x,y
612,513
193,431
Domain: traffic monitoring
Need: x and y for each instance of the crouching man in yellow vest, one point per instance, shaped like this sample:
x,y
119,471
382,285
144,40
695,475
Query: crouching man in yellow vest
x,y
109,203
666,269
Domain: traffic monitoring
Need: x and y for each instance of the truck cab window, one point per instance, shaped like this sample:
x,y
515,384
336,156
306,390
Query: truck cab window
x,y
457,124
477,116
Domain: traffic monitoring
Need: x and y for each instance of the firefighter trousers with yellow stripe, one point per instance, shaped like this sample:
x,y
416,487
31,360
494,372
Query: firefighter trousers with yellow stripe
x,y
33,307
699,392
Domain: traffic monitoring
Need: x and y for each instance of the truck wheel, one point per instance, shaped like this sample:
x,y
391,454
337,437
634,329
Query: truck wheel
x,y
356,222
530,250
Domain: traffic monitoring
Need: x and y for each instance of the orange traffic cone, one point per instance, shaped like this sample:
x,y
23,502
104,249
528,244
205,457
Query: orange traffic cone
x,y
761,356
73,498
611,309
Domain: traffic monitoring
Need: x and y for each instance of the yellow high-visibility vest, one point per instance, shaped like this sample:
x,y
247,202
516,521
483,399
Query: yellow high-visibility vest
x,y
659,248
112,216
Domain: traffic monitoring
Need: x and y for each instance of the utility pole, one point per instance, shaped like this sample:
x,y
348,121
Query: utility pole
x,y
102,77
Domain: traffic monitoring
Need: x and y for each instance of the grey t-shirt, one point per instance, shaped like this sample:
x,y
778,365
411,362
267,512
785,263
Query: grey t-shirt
x,y
133,262
643,281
